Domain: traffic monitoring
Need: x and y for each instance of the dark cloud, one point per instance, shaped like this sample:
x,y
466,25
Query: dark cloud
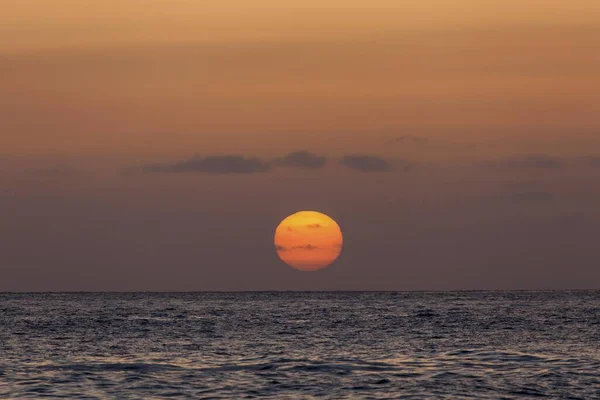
x,y
279,247
302,159
226,164
305,247
365,163
533,161
314,226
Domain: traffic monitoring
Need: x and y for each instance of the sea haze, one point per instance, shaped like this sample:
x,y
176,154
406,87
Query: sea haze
x,y
301,345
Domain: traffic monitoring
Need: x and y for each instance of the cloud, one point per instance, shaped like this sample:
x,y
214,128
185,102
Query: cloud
x,y
302,159
309,247
365,163
305,247
314,226
532,161
226,164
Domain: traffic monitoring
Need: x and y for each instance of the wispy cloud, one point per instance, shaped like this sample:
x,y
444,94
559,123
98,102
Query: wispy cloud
x,y
305,247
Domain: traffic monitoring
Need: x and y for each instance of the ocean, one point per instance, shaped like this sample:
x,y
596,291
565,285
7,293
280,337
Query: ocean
x,y
288,345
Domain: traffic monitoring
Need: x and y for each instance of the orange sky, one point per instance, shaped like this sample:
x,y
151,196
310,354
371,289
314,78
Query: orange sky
x,y
156,144
158,78
39,23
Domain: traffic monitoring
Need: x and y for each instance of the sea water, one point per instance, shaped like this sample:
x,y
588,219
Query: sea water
x,y
335,345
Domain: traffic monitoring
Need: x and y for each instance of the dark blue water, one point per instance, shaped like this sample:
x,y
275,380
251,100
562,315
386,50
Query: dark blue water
x,y
301,345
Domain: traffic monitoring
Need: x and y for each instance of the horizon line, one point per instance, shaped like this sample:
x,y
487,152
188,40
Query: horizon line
x,y
298,291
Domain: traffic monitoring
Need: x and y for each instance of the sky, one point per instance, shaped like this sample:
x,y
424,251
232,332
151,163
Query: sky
x,y
157,144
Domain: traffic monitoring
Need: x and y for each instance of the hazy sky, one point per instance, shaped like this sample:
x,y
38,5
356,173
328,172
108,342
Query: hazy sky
x,y
157,144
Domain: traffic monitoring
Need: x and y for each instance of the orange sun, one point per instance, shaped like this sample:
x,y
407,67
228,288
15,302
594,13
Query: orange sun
x,y
308,240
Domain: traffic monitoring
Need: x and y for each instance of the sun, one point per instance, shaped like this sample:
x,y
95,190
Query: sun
x,y
308,240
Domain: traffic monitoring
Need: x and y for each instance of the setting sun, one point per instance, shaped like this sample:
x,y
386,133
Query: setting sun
x,y
308,240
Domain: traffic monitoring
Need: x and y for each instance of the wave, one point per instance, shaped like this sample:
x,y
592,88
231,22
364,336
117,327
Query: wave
x,y
449,362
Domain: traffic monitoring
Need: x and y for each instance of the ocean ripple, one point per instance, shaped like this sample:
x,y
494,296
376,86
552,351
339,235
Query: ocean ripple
x,y
301,345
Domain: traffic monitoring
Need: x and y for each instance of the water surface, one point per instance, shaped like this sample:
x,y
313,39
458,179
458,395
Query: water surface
x,y
301,345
